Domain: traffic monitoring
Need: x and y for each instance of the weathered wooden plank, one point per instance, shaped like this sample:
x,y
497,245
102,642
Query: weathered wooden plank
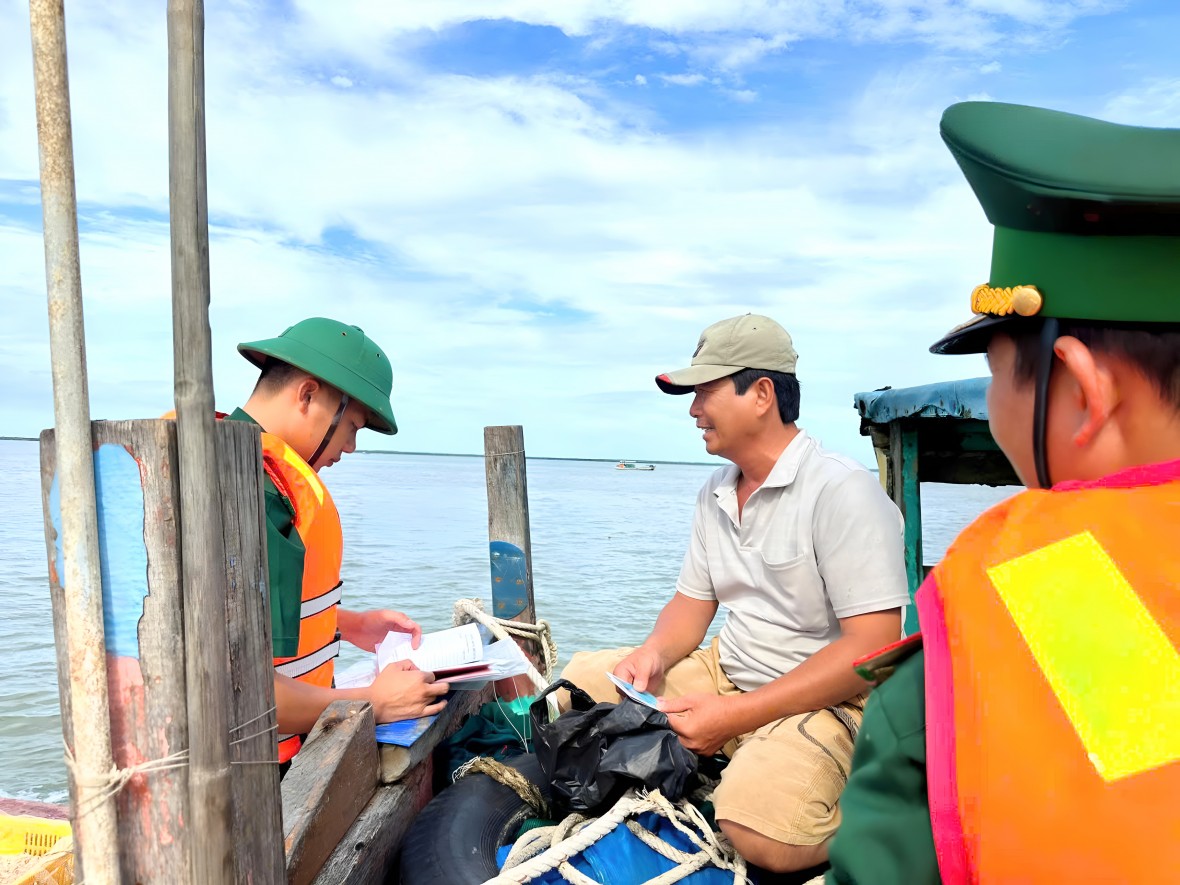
x,y
369,849
257,812
330,782
136,491
202,547
397,761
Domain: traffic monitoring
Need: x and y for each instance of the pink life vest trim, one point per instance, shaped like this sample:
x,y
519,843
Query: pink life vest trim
x,y
1131,478
941,779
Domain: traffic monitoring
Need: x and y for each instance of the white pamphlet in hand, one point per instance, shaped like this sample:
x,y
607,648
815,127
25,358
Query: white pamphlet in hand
x,y
455,655
634,693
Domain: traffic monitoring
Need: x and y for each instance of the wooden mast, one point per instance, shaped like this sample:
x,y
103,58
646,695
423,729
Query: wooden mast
x,y
94,819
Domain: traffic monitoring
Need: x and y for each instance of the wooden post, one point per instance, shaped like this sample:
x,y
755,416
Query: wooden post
x,y
202,545
78,626
147,643
257,808
508,519
906,494
510,546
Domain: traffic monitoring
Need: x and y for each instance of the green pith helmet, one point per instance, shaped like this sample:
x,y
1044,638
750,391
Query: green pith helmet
x,y
339,355
1086,216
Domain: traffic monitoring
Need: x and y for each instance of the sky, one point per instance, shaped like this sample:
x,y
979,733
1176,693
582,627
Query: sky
x,y
535,207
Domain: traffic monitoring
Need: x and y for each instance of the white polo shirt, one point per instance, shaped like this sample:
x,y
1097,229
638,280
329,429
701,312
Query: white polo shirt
x,y
819,540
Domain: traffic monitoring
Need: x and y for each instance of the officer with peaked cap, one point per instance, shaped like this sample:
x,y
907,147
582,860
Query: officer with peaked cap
x,y
321,382
1032,734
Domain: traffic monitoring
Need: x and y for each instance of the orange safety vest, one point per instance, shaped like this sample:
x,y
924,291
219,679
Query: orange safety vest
x,y
318,525
1053,686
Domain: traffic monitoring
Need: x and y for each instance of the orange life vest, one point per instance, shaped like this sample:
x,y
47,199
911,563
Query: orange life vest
x,y
1053,686
318,525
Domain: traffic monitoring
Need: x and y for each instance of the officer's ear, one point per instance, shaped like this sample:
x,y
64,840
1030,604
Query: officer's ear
x,y
305,392
1091,388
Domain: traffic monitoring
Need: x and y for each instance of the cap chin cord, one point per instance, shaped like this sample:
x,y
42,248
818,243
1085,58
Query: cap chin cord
x,y
1049,334
344,401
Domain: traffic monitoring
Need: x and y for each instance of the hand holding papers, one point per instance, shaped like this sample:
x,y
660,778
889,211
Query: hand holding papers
x,y
457,655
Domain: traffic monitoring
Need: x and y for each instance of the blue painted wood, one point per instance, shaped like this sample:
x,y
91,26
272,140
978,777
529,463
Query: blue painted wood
x,y
122,550
510,594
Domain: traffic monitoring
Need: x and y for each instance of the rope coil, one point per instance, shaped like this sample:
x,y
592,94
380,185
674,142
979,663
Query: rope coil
x,y
467,610
550,848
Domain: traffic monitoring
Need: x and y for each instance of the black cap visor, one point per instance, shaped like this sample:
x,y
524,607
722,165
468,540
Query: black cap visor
x,y
972,336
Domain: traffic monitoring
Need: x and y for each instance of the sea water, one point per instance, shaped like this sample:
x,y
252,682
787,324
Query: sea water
x,y
607,546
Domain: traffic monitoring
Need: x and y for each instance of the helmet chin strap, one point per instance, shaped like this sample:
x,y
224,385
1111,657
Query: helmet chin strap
x,y
1049,334
344,401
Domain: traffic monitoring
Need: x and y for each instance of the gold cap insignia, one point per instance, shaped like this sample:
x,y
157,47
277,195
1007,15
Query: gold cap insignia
x,y
1026,301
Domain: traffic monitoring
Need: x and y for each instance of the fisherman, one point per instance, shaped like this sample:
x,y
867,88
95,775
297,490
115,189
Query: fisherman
x,y
321,382
1032,734
804,549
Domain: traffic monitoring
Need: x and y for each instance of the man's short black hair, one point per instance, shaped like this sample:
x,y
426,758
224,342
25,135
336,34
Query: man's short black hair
x,y
1153,350
786,390
276,375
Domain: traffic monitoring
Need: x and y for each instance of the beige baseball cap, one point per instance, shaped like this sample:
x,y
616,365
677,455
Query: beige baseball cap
x,y
746,342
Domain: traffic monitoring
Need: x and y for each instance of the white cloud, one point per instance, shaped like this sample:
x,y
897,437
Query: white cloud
x,y
729,34
745,96
1154,102
640,80
684,79
992,67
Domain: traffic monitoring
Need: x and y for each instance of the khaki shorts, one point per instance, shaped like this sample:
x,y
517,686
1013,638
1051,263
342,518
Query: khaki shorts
x,y
784,780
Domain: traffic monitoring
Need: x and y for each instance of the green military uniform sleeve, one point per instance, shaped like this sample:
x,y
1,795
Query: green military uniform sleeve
x,y
884,836
285,554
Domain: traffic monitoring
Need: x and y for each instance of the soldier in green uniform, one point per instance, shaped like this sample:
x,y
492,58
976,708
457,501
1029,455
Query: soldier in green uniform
x,y
1032,732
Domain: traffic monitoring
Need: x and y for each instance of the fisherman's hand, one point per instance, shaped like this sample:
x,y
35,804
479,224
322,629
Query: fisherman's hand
x,y
699,720
643,668
366,629
402,691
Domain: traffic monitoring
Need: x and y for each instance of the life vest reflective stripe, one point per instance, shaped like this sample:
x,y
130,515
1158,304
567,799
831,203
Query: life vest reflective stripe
x,y
318,526
301,666
1053,702
315,606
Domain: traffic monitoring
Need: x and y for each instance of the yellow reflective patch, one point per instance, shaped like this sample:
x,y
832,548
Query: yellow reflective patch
x,y
1110,664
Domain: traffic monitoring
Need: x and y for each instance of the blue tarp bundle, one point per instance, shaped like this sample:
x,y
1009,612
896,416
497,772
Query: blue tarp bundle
x,y
619,858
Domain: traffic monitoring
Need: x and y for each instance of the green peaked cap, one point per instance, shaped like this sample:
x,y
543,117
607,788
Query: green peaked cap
x,y
338,354
1086,216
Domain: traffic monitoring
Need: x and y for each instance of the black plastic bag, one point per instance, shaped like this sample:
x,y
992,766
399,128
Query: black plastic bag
x,y
594,752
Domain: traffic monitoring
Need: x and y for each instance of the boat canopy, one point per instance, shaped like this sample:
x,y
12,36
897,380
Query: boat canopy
x,y
931,433
946,399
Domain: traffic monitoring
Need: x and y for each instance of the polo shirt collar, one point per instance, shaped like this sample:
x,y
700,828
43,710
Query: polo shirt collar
x,y
785,469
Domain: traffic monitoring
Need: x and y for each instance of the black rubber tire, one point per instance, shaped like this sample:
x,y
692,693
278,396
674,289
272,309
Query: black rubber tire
x,y
453,841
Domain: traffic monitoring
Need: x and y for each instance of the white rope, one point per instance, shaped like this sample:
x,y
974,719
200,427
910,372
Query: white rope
x,y
531,857
112,782
472,610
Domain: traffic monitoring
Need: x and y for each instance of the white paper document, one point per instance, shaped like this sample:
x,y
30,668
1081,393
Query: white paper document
x,y
456,656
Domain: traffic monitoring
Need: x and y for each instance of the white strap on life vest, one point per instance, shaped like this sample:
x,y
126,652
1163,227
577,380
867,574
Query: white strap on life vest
x,y
322,602
307,663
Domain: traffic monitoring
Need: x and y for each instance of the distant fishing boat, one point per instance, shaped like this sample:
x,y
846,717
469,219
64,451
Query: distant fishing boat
x,y
634,465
